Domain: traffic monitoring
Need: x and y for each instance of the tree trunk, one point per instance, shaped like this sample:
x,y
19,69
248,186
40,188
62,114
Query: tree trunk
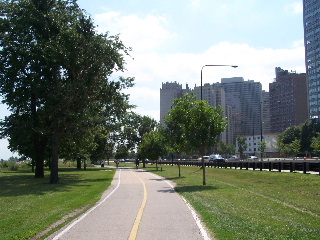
x,y
39,173
78,163
54,176
38,151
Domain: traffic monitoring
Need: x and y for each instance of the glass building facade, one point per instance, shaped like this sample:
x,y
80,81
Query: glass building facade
x,y
311,21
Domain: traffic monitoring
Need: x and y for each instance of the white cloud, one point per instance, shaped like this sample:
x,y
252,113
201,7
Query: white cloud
x,y
142,34
254,64
295,8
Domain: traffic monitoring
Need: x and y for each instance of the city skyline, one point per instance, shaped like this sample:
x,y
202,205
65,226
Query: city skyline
x,y
172,40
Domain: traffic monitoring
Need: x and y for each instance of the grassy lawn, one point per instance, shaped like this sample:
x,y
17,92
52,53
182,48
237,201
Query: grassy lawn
x,y
240,204
29,206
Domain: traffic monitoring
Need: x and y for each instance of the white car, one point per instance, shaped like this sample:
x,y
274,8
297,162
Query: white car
x,y
252,158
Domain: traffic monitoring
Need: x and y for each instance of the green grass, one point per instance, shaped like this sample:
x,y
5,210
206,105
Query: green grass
x,y
240,204
29,206
235,204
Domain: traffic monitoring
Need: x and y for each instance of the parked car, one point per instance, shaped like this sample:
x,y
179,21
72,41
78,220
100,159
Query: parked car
x,y
253,158
233,158
216,158
205,158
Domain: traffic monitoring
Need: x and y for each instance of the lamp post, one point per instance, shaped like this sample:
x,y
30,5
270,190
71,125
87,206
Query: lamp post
x,y
261,133
209,65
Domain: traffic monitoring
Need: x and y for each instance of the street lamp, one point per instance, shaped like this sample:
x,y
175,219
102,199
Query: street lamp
x,y
209,65
261,133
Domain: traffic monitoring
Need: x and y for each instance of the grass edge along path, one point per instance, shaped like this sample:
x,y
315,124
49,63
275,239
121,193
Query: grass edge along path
x,y
30,206
239,204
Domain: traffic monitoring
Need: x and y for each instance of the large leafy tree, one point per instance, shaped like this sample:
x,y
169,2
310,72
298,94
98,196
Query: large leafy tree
x,y
133,127
54,70
194,125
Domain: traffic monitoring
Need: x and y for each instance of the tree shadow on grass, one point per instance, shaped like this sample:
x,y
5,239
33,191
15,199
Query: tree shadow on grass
x,y
23,183
200,188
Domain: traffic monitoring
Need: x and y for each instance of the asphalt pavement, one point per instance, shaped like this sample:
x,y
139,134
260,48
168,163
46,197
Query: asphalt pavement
x,y
138,205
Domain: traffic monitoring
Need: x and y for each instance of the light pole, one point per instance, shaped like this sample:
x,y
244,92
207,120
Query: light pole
x,y
261,133
209,65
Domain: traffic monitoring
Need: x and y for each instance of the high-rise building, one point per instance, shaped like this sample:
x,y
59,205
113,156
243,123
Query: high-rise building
x,y
243,99
266,122
288,100
240,100
168,93
311,22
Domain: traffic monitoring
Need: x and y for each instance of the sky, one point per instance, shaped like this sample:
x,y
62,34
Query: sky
x,y
172,39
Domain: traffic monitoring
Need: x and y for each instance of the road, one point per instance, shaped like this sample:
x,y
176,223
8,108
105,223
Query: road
x,y
138,205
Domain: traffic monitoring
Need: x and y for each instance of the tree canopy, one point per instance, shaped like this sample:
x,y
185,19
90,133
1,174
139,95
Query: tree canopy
x,y
194,126
55,76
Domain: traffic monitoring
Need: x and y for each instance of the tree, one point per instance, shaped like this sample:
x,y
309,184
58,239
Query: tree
x,y
121,152
54,69
295,147
262,147
194,125
134,126
315,144
153,146
225,148
242,145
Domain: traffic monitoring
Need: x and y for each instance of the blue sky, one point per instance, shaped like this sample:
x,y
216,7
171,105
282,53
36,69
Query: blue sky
x,y
173,39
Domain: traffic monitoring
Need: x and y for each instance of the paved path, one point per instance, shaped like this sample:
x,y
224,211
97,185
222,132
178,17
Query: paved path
x,y
138,205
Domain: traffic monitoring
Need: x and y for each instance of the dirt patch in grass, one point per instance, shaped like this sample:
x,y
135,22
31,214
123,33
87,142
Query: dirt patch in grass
x,y
60,222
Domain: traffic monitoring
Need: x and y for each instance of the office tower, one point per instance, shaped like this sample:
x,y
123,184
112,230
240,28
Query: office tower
x,y
288,100
243,99
266,123
311,22
168,93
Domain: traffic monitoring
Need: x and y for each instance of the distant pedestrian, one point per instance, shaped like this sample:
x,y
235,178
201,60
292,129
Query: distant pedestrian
x,y
117,162
137,163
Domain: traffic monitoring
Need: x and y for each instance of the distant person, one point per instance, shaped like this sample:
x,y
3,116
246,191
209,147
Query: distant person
x,y
137,163
117,162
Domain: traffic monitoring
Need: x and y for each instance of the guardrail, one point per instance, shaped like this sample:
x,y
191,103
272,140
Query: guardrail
x,y
292,166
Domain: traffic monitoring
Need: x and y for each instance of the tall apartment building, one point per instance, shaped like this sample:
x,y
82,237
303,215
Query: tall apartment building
x,y
288,100
168,93
243,99
266,121
311,22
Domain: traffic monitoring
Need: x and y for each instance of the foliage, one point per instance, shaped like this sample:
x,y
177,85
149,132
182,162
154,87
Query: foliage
x,y
133,128
193,125
153,146
242,145
295,147
262,147
225,148
315,144
304,132
122,151
54,71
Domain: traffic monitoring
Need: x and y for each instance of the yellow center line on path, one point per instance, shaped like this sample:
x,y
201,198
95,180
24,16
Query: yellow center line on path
x,y
134,230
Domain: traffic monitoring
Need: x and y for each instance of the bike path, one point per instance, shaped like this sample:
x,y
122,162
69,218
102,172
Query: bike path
x,y
138,205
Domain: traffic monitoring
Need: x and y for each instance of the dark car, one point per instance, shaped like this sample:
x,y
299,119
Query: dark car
x,y
216,158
